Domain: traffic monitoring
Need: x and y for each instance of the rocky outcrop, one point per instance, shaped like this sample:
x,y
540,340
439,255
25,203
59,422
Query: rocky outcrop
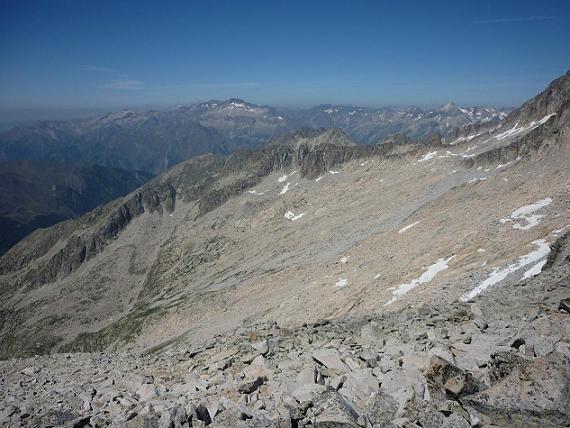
x,y
559,252
313,161
83,246
550,135
554,99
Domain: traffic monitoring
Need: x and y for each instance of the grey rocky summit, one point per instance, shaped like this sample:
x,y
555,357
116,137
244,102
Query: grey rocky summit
x,y
312,282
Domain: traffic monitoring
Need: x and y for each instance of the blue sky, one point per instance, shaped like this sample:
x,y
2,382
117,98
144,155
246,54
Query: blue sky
x,y
112,54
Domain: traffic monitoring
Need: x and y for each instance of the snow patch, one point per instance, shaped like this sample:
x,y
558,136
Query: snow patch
x,y
517,130
409,226
535,270
524,214
429,274
462,139
342,282
559,231
542,250
289,215
285,177
285,189
428,156
503,165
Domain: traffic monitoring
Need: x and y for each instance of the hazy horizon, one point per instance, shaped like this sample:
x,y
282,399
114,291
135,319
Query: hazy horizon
x,y
55,56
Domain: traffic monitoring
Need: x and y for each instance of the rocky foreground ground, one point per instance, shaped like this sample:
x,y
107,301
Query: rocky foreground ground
x,y
502,360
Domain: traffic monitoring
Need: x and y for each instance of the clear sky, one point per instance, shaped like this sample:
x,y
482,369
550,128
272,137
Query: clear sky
x,y
112,54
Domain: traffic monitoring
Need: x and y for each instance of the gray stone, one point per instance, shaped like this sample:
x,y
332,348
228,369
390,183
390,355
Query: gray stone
x,y
359,386
147,392
331,410
535,394
261,347
380,410
250,386
330,358
444,378
308,392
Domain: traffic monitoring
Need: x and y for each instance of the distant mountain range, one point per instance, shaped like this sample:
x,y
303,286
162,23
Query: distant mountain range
x,y
372,125
153,141
129,147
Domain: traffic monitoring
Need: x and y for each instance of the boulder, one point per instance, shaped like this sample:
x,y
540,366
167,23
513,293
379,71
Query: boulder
x,y
359,386
330,358
250,386
533,394
502,364
308,392
147,392
446,379
306,376
381,409
261,347
330,410
424,414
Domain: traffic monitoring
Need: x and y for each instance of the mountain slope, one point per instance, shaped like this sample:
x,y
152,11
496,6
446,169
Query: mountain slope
x,y
217,231
312,282
40,193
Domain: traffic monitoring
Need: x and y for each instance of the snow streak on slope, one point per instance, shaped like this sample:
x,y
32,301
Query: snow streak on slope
x,y
535,270
289,215
409,226
285,189
498,275
525,214
516,130
428,156
439,266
